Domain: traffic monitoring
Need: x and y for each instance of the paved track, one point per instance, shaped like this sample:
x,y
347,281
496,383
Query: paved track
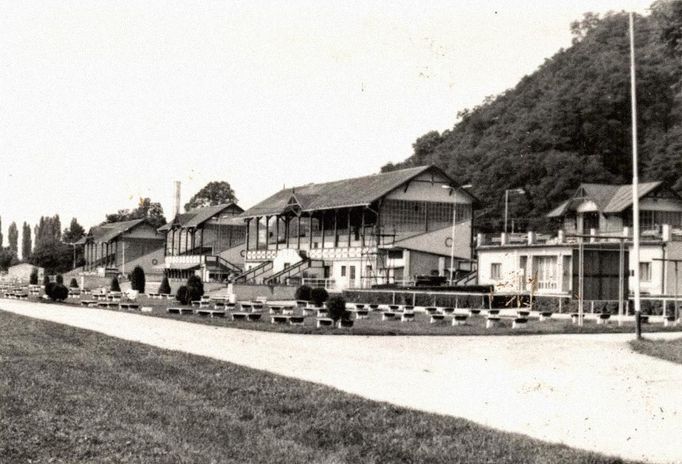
x,y
587,391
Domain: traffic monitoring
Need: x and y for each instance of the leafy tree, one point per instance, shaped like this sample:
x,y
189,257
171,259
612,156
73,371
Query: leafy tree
x,y
195,288
213,193
25,242
56,291
74,233
59,279
46,280
165,288
7,258
13,237
336,306
33,278
182,295
137,279
53,256
115,286
303,293
145,209
48,230
319,295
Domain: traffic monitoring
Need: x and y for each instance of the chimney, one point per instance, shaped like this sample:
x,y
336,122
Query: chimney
x,y
561,236
177,198
531,238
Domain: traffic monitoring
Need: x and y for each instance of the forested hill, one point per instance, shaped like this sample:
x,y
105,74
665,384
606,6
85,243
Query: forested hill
x,y
569,122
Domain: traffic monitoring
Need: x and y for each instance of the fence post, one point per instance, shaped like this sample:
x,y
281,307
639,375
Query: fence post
x,y
414,298
561,300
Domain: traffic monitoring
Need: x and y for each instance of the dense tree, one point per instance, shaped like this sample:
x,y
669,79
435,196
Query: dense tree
x,y
33,278
2,238
13,238
115,286
569,122
145,209
26,244
49,229
165,288
137,279
213,193
74,233
54,256
7,258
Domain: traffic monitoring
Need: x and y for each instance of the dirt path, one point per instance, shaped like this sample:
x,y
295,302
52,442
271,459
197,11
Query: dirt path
x,y
587,391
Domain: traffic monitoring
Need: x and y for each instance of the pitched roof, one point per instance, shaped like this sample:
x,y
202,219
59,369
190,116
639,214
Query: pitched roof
x,y
198,216
358,191
609,198
108,232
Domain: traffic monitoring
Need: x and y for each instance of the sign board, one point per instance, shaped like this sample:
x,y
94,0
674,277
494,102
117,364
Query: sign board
x,y
601,276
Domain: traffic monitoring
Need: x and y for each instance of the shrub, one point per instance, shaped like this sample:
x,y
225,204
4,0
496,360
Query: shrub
x,y
33,278
137,279
337,308
182,295
303,293
164,288
56,292
115,287
195,288
60,279
46,280
74,283
319,296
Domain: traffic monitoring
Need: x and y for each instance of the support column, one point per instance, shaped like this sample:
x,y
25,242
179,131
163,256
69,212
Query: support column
x,y
267,232
286,231
298,233
276,233
322,222
172,250
349,231
336,229
201,240
362,227
310,239
248,224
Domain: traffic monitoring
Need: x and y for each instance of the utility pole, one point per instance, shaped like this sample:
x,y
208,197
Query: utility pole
x,y
635,182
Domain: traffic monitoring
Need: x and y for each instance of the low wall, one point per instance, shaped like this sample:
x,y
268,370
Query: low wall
x,y
271,292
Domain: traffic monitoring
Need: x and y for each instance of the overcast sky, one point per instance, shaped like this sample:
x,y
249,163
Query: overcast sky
x,y
104,102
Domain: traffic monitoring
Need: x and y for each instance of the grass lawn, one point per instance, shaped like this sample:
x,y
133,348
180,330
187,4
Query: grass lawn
x,y
670,350
421,326
69,395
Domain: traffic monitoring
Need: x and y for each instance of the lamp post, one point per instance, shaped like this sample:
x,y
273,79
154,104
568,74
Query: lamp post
x,y
520,191
454,226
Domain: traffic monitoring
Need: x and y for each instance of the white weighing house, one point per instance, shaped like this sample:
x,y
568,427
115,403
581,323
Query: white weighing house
x,y
354,233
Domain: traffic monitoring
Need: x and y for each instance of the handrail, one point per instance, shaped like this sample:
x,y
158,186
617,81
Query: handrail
x,y
264,267
291,270
222,261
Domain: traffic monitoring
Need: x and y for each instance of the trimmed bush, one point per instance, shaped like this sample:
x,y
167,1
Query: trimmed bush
x,y
319,296
73,283
165,288
115,287
46,280
303,293
33,278
137,279
182,295
56,292
336,306
195,288
60,279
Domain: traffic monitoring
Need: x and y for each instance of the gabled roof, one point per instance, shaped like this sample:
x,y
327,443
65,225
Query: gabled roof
x,y
609,198
107,232
345,193
198,216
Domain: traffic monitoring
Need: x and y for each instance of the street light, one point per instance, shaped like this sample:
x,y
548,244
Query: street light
x,y
520,191
454,225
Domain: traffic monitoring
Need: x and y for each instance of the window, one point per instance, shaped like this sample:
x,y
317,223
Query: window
x,y
546,272
645,272
395,254
343,271
496,271
351,270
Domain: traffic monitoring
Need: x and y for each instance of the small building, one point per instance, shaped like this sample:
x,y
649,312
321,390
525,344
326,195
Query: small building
x,y
607,208
210,240
359,232
118,247
22,272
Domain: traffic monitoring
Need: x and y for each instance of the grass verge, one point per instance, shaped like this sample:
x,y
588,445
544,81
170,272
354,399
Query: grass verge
x,y
670,350
69,395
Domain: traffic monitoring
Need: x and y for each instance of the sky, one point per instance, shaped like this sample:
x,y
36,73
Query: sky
x,y
104,102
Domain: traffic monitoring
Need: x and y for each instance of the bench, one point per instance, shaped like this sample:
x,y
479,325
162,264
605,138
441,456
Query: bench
x,y
301,304
296,320
181,311
362,314
359,306
386,315
128,306
324,322
459,319
276,310
394,308
492,322
246,307
323,313
493,312
523,313
257,306
437,317
146,309
407,317
251,317
107,304
545,315
210,312
88,302
644,319
575,318
373,307
604,318
431,310
408,308
475,311
668,321
519,322
153,295
279,319
345,323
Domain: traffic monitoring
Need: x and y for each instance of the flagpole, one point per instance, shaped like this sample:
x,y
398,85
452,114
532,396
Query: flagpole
x,y
635,182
